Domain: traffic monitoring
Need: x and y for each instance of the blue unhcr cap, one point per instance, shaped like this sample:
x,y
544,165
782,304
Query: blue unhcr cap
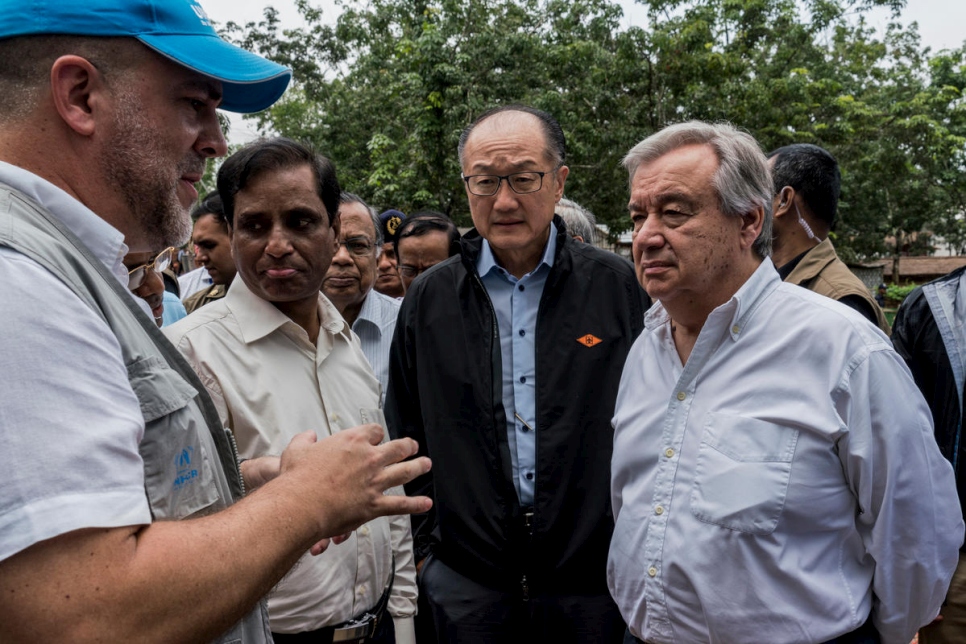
x,y
177,29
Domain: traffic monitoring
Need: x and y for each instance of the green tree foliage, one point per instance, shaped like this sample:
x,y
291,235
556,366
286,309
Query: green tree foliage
x,y
386,90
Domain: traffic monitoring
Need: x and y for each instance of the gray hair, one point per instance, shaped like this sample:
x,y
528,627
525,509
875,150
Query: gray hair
x,y
349,197
742,180
580,221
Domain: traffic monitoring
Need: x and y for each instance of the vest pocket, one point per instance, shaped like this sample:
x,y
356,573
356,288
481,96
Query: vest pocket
x,y
742,473
177,447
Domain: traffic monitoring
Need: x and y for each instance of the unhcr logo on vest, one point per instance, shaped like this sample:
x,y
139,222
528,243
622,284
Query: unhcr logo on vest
x,y
186,472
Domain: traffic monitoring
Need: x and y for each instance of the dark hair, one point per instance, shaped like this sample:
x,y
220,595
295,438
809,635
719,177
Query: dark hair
x,y
272,155
814,173
210,204
425,222
553,133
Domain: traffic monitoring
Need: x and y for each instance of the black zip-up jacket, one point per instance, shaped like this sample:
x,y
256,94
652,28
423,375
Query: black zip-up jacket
x,y
445,391
916,337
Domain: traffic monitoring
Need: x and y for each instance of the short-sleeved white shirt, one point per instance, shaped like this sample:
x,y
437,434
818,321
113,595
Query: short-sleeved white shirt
x,y
70,423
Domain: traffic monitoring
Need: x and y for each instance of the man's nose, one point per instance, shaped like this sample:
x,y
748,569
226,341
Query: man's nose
x,y
279,243
650,234
342,255
505,198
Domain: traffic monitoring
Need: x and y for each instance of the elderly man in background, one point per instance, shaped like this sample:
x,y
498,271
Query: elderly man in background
x,y
349,285
774,475
581,223
107,438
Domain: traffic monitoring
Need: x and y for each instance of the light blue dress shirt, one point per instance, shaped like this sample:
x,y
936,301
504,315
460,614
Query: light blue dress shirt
x,y
173,309
375,325
516,302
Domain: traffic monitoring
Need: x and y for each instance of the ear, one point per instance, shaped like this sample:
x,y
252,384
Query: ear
x,y
751,224
786,197
77,89
561,179
336,229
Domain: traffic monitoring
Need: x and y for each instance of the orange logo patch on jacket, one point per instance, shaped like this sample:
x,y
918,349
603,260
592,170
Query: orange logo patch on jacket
x,y
589,340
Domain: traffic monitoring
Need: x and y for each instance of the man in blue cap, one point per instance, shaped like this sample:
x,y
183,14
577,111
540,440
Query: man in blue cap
x,y
107,439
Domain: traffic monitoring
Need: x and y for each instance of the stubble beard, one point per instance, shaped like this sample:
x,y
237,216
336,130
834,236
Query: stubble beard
x,y
137,169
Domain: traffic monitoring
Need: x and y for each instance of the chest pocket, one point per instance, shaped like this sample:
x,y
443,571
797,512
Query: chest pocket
x,y
742,473
177,447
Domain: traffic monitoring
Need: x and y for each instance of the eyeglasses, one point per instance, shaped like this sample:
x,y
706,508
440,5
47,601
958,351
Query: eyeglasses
x,y
137,275
358,246
410,271
487,185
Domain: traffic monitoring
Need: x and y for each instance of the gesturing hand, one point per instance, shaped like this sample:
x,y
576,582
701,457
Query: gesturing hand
x,y
343,478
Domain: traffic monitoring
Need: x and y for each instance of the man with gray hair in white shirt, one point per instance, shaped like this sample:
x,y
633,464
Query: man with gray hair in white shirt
x,y
774,474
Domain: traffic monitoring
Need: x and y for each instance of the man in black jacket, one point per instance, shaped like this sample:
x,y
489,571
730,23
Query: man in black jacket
x,y
505,366
928,334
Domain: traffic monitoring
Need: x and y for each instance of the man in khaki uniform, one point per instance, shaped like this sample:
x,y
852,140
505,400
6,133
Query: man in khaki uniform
x,y
807,185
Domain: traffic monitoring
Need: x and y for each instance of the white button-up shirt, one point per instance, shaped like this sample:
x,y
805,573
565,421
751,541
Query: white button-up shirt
x,y
780,482
269,382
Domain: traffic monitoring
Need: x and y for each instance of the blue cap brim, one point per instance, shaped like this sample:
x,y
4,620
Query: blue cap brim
x,y
250,83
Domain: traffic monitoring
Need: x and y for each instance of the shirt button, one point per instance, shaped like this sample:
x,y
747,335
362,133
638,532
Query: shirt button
x,y
523,379
521,287
682,395
529,476
669,452
522,333
524,429
652,571
735,329
658,510
364,531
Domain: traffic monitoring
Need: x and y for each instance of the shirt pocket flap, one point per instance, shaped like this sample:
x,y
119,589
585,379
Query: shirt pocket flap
x,y
160,389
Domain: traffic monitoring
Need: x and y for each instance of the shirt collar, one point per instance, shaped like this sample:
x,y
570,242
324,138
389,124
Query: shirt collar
x,y
737,310
258,318
487,262
102,239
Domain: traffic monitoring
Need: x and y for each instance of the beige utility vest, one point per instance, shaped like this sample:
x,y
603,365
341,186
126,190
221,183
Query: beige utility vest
x,y
190,463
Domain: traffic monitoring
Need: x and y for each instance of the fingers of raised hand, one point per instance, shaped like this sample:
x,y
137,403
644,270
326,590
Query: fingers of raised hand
x,y
397,474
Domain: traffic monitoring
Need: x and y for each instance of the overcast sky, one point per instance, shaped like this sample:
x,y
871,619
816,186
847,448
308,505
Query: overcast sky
x,y
941,23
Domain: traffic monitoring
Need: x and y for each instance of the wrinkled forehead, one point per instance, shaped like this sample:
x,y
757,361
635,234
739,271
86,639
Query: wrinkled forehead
x,y
522,131
356,220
